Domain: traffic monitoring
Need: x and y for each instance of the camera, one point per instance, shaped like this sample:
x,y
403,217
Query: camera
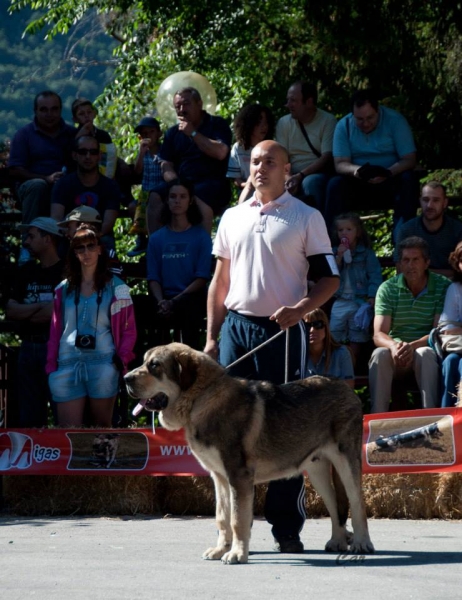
x,y
85,341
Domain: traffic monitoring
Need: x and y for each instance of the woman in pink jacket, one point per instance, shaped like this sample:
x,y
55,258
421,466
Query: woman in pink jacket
x,y
92,335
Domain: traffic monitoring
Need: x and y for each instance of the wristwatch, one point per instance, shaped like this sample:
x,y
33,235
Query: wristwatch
x,y
193,134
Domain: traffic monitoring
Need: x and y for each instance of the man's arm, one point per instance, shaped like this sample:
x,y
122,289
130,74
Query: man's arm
x,y
38,312
216,309
405,163
168,171
294,181
22,174
109,218
213,148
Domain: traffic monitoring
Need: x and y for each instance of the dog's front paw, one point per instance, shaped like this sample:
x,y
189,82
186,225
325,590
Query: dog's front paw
x,y
362,546
337,545
214,553
234,558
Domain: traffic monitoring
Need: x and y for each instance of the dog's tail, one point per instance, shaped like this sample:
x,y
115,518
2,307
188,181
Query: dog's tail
x,y
341,497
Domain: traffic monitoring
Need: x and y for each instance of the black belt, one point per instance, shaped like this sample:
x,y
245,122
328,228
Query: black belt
x,y
35,339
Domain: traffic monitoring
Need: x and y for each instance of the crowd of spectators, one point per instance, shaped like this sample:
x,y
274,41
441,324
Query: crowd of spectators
x,y
70,186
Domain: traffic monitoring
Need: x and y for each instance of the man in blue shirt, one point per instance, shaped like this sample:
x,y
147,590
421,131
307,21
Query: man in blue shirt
x,y
374,156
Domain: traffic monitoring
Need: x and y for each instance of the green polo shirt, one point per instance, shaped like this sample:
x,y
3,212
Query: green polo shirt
x,y
411,318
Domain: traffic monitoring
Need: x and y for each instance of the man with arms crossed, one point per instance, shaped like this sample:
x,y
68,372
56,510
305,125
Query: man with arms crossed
x,y
264,248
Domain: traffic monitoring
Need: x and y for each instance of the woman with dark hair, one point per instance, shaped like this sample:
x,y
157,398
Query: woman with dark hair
x,y
179,263
452,311
253,124
92,334
325,355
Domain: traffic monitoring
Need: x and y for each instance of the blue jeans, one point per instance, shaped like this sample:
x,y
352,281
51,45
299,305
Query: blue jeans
x,y
452,375
315,186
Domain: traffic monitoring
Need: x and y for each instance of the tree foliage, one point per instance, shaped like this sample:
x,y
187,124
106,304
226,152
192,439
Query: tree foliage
x,y
252,49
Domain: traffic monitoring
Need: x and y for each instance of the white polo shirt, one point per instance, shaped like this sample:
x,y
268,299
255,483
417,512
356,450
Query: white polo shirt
x,y
268,246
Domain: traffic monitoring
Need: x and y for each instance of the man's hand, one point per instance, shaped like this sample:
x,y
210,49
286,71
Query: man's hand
x,y
186,127
293,182
287,316
402,354
211,349
375,180
54,177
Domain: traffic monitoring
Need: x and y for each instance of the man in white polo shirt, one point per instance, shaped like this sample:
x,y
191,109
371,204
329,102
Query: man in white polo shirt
x,y
264,248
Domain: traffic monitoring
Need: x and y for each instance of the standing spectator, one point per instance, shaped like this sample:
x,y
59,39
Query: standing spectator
x,y
179,263
84,114
264,248
360,278
148,166
407,307
40,153
253,124
91,337
307,133
195,150
452,311
326,356
374,156
441,232
87,187
31,304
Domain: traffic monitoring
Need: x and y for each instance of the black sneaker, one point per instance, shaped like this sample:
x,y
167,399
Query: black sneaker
x,y
289,544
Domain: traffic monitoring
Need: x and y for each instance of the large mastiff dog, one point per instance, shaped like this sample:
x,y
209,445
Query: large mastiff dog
x,y
248,432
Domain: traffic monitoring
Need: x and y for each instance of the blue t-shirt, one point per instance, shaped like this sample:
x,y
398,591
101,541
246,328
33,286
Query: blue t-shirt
x,y
176,258
188,159
70,192
386,144
340,366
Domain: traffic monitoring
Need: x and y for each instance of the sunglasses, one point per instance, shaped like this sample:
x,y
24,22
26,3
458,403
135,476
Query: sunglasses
x,y
316,325
90,247
85,151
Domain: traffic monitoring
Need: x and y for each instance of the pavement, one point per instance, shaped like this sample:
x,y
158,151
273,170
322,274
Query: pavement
x,y
81,558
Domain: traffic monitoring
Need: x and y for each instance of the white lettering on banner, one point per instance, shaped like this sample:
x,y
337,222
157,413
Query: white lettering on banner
x,y
175,450
45,454
17,451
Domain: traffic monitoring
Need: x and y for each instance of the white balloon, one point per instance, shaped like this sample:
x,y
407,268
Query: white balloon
x,y
170,85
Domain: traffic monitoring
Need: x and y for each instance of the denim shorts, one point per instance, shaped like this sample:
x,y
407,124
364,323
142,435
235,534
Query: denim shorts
x,y
98,378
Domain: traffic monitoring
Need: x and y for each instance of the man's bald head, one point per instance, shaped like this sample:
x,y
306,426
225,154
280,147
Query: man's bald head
x,y
273,147
269,167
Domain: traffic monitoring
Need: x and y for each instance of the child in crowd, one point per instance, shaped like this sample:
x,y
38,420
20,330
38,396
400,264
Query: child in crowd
x,y
360,277
84,114
253,124
148,165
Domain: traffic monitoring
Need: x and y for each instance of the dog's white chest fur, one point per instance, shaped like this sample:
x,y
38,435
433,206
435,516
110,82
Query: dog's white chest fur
x,y
209,457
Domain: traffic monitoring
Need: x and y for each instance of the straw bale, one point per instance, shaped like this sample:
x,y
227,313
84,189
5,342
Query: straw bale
x,y
449,496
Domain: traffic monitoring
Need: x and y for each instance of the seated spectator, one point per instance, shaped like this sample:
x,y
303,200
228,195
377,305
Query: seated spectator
x,y
452,311
31,304
92,335
179,266
253,124
84,114
374,156
40,154
360,277
407,307
441,232
88,187
197,150
148,166
325,355
306,133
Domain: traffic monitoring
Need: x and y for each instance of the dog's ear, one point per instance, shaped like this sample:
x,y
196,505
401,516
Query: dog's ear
x,y
187,367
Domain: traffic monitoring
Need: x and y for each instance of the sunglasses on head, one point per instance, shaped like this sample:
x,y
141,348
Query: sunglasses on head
x,y
316,324
85,151
90,247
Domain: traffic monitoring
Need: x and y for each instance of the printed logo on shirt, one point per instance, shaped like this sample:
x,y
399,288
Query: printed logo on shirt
x,y
87,199
174,251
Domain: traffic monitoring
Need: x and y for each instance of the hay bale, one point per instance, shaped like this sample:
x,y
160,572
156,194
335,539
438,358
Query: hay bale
x,y
448,500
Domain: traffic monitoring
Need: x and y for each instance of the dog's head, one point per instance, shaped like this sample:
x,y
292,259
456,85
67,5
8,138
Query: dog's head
x,y
167,372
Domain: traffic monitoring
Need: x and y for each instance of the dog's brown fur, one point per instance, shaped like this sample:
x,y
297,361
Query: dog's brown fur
x,y
248,432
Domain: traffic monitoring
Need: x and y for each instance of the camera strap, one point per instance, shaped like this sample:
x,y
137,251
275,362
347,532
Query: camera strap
x,y
99,299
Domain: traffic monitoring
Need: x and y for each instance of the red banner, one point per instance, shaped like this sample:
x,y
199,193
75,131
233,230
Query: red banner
x,y
400,442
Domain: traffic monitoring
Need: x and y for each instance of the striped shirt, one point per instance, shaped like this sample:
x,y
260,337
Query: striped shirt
x,y
411,317
152,172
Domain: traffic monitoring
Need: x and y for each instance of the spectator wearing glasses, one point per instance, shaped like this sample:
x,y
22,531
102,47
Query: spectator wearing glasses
x,y
92,335
87,187
326,356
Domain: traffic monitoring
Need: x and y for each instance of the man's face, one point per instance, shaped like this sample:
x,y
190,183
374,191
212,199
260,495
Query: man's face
x,y
413,265
87,156
85,114
187,108
35,242
295,104
149,133
433,202
366,117
268,167
48,112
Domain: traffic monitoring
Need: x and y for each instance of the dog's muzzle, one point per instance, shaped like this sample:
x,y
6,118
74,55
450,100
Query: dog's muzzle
x,y
157,403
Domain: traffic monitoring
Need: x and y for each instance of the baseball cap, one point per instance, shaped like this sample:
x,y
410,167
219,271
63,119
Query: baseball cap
x,y
45,224
83,214
147,122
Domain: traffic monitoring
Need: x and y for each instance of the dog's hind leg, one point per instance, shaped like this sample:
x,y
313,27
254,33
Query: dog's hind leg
x,y
223,519
242,496
349,470
319,472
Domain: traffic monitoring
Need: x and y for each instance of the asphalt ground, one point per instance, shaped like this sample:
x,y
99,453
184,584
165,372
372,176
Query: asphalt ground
x,y
159,558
